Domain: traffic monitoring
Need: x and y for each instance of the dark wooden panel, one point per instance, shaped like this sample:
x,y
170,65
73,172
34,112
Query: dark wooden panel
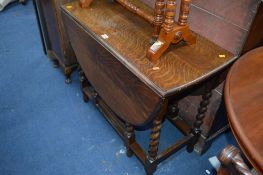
x,y
225,22
126,95
221,32
181,66
255,37
234,12
55,34
52,27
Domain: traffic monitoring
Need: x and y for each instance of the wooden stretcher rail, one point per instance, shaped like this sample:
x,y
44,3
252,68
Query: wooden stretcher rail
x,y
137,10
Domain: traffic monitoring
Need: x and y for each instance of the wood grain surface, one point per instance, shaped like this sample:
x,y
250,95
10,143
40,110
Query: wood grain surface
x,y
123,92
244,99
128,40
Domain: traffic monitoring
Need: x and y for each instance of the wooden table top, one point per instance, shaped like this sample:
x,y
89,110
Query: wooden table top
x,y
128,40
244,102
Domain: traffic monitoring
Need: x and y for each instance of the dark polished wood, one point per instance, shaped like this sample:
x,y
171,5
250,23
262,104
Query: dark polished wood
x,y
244,99
110,44
123,86
54,38
130,136
255,36
158,17
137,102
232,163
199,118
151,159
218,21
237,35
180,68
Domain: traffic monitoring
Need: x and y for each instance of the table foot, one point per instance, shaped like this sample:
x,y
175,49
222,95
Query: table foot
x,y
199,119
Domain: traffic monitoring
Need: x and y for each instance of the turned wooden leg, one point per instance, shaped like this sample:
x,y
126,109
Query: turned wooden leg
x,y
169,15
199,119
55,63
155,138
158,18
184,12
130,136
231,160
173,111
166,35
67,73
83,83
153,146
171,32
85,3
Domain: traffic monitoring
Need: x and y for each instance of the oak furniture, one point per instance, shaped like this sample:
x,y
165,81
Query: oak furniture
x,y
55,41
244,104
134,93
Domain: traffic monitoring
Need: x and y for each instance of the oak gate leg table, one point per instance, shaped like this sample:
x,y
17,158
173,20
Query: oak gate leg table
x,y
133,93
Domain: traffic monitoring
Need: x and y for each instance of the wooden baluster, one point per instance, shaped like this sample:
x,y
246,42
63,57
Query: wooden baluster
x,y
85,3
169,15
158,18
202,110
130,136
155,138
199,119
184,12
151,163
172,32
166,35
230,156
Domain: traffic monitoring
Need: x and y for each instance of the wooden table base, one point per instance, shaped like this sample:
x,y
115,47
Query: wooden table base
x,y
151,159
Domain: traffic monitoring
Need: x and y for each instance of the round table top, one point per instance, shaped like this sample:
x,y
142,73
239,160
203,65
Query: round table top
x,y
244,103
